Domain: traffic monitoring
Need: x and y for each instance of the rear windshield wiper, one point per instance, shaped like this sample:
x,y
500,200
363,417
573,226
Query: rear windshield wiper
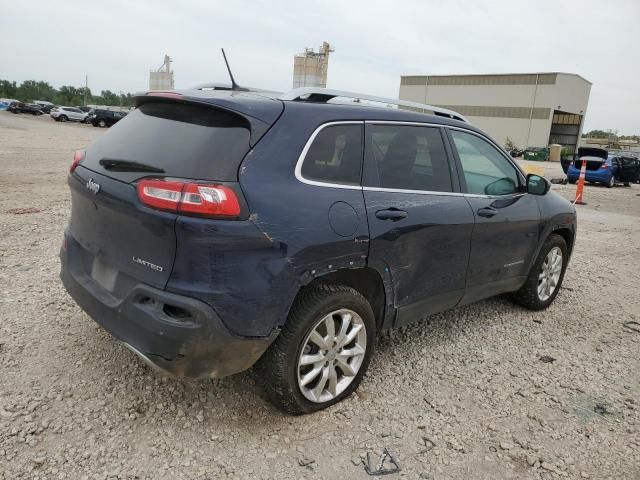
x,y
128,166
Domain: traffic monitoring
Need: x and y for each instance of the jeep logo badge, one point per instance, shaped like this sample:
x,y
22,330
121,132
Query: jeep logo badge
x,y
92,186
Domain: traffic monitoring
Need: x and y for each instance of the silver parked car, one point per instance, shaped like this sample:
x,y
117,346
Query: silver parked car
x,y
63,114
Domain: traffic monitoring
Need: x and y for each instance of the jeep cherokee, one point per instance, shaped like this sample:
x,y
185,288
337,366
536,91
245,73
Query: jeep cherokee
x,y
214,230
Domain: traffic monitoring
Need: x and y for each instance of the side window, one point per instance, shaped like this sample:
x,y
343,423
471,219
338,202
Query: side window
x,y
486,171
407,158
335,156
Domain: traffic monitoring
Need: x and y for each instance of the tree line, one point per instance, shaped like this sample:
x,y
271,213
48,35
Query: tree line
x,y
603,134
31,90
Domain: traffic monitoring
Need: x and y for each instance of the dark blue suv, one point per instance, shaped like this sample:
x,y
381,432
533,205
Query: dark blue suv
x,y
214,230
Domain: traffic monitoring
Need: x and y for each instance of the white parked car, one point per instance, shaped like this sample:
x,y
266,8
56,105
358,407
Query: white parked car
x,y
63,114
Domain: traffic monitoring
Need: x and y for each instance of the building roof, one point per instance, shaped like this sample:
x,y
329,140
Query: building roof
x,y
526,78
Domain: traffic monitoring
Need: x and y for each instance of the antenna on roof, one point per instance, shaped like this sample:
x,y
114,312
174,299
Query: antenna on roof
x,y
234,85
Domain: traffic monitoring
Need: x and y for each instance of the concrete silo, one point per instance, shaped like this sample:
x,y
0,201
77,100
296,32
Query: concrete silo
x,y
162,78
310,68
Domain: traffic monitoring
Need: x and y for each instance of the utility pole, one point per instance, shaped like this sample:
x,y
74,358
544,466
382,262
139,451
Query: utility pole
x,y
86,88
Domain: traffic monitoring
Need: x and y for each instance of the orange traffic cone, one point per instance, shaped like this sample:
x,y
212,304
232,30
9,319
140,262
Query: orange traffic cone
x,y
580,188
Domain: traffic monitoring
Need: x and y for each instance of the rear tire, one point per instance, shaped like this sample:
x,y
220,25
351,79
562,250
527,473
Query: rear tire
x,y
612,182
572,182
332,371
102,123
529,295
63,118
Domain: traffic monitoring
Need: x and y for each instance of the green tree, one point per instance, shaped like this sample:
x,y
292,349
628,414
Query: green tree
x,y
508,144
109,98
8,89
596,134
31,90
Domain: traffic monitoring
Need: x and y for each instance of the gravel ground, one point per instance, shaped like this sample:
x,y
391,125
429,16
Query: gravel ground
x,y
486,391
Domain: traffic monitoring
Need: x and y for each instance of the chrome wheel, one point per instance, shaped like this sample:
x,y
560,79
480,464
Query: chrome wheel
x,y
550,274
331,355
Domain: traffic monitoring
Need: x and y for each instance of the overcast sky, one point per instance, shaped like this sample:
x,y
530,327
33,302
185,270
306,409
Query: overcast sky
x,y
117,42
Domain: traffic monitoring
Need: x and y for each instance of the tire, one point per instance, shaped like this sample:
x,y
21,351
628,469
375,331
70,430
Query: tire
x,y
627,184
528,296
63,118
612,182
102,123
279,370
572,182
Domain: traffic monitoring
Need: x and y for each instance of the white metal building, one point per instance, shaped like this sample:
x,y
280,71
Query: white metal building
x,y
531,109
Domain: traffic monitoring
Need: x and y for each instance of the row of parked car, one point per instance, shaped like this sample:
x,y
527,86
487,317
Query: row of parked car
x,y
97,117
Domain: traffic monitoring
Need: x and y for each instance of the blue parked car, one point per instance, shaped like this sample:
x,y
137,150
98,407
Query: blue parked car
x,y
601,167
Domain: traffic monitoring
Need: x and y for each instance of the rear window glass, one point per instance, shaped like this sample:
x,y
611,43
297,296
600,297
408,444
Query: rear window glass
x,y
185,141
335,156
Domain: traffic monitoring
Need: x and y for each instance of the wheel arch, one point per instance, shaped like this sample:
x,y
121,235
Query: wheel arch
x,y
366,281
567,234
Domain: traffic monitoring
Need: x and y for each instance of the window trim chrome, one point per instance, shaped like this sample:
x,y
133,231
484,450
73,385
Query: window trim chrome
x,y
305,150
312,137
419,192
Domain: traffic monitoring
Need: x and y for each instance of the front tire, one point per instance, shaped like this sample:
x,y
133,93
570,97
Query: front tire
x,y
323,351
546,275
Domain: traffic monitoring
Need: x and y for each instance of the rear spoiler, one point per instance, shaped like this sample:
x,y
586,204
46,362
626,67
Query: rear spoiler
x,y
259,112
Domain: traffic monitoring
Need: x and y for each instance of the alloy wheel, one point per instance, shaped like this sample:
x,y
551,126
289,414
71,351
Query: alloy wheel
x,y
331,355
550,274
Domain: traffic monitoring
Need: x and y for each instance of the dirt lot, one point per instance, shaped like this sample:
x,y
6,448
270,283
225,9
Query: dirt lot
x,y
486,391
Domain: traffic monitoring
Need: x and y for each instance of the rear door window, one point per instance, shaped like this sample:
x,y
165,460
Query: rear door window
x,y
177,140
335,155
403,157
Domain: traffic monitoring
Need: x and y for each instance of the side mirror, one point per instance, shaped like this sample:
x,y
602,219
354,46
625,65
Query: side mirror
x,y
537,185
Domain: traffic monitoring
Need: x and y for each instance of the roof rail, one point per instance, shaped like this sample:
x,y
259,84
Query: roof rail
x,y
323,95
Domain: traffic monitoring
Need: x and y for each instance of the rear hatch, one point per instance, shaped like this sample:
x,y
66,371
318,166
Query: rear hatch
x,y
162,139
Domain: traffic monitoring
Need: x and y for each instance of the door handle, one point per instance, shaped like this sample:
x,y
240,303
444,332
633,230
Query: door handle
x,y
392,214
487,212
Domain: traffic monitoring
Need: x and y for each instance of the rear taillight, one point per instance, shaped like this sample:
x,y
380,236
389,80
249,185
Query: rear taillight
x,y
160,194
189,198
77,158
604,166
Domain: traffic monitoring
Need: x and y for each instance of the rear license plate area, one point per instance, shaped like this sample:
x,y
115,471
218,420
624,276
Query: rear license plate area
x,y
104,274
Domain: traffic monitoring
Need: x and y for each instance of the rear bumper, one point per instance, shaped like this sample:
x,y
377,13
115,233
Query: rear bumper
x,y
196,346
590,176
